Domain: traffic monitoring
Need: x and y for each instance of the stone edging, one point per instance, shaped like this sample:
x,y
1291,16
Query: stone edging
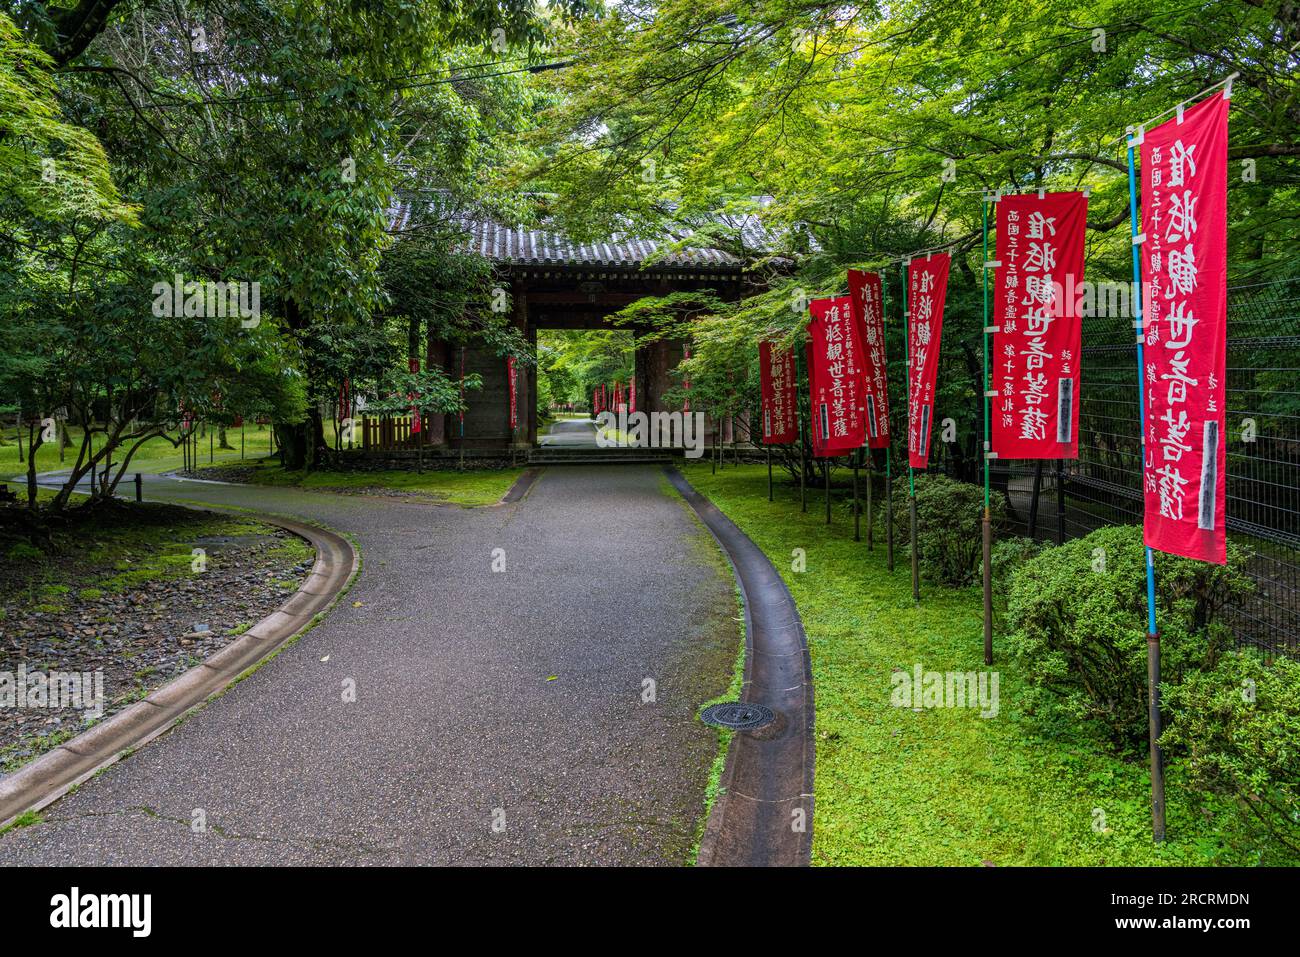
x,y
47,778
767,783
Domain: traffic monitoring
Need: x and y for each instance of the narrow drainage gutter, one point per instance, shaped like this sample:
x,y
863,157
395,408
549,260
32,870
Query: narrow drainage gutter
x,y
763,815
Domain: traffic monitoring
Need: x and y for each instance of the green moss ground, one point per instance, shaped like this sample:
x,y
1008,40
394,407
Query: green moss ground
x,y
945,786
156,455
470,487
110,553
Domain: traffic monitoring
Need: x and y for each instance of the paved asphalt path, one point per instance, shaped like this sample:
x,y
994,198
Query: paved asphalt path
x,y
608,581
572,433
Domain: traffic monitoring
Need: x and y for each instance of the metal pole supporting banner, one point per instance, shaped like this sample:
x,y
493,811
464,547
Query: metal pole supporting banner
x,y
827,463
803,445
987,525
1060,501
769,473
803,470
871,515
911,473
1153,636
889,485
889,513
857,520
1034,497
916,572
462,408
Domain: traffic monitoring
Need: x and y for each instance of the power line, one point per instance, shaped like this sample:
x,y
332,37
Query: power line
x,y
394,82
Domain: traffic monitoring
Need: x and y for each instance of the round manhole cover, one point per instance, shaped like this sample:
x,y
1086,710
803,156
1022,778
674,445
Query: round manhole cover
x,y
738,715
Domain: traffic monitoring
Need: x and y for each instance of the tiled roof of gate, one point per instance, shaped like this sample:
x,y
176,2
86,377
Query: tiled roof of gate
x,y
521,245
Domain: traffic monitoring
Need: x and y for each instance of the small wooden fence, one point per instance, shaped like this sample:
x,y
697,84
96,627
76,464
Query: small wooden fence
x,y
388,434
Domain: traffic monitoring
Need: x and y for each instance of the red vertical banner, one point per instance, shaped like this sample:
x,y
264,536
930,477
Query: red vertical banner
x,y
1034,365
1185,331
512,374
835,378
776,378
814,434
867,298
631,395
345,400
413,365
927,288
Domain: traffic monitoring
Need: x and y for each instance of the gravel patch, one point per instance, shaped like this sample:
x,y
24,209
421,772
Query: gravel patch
x,y
60,615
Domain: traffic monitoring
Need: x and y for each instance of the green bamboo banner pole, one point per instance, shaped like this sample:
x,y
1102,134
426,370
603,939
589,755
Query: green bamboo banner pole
x,y
828,491
769,473
889,511
911,473
871,474
856,457
889,476
1153,636
803,444
987,528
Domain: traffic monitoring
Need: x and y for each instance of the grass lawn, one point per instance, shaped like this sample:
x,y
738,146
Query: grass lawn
x,y
156,455
468,488
481,487
943,786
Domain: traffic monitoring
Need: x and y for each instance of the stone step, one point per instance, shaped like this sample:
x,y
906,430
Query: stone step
x,y
599,457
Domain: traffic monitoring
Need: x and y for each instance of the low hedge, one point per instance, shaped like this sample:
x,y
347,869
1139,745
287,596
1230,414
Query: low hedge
x,y
1077,620
949,516
1238,728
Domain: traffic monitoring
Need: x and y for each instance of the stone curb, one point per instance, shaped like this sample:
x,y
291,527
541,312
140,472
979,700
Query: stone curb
x,y
767,783
49,777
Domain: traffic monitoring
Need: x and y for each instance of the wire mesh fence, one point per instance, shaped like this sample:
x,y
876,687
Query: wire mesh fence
x,y
1055,501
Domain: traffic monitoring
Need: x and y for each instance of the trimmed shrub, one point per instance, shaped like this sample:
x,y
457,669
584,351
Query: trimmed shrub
x,y
1239,727
1008,555
948,527
1077,614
